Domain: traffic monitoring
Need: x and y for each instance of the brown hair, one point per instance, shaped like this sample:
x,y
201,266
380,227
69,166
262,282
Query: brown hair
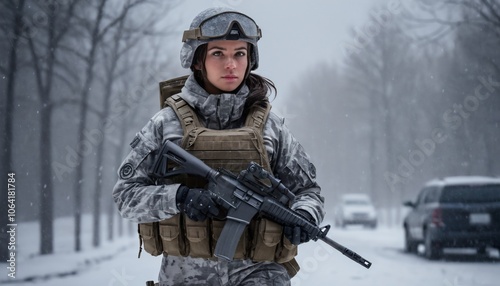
x,y
260,87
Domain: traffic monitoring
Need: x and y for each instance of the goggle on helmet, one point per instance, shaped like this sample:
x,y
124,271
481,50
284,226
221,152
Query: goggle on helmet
x,y
220,24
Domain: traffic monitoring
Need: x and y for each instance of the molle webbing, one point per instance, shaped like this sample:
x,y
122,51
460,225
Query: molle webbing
x,y
187,117
232,152
231,149
257,117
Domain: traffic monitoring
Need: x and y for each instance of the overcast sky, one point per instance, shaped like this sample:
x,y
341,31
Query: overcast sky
x,y
298,35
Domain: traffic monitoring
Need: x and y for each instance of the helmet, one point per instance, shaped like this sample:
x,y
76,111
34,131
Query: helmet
x,y
220,24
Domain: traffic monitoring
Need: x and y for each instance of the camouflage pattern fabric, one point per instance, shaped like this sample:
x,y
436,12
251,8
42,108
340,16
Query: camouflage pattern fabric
x,y
199,271
139,199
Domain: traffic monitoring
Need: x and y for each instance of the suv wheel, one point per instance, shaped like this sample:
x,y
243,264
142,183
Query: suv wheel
x,y
410,245
432,250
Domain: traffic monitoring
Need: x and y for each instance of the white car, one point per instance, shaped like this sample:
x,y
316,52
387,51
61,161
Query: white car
x,y
356,209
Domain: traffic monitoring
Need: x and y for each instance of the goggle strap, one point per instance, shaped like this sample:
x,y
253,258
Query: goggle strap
x,y
194,34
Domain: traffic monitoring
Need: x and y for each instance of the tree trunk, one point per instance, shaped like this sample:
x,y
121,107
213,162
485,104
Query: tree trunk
x,y
7,164
46,185
79,180
47,202
89,77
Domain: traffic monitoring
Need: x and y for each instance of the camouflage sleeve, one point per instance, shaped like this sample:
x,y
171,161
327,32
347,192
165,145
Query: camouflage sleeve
x,y
136,194
292,165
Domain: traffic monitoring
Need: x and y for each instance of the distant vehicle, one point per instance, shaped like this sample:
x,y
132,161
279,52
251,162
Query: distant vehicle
x,y
454,212
356,209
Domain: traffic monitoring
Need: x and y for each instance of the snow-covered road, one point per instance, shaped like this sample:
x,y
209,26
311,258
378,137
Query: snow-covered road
x,y
116,264
391,265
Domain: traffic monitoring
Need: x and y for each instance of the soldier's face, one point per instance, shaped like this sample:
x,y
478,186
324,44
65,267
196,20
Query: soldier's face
x,y
225,64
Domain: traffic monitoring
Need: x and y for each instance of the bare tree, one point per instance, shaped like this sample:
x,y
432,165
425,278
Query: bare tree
x,y
450,15
94,30
44,49
475,29
126,37
14,12
111,59
377,72
404,83
360,106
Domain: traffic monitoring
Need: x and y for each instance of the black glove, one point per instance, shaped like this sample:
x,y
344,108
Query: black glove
x,y
196,203
294,233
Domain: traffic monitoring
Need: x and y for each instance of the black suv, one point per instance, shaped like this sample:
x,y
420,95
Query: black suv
x,y
454,212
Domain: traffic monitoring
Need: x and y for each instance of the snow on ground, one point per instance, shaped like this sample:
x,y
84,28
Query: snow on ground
x,y
391,265
108,264
116,264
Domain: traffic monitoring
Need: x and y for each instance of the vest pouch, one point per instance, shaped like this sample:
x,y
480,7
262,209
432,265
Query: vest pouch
x,y
267,235
241,249
171,236
286,251
292,267
198,238
148,233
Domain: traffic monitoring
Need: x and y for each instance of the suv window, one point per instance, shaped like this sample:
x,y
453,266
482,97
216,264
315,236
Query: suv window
x,y
432,195
359,202
471,194
422,195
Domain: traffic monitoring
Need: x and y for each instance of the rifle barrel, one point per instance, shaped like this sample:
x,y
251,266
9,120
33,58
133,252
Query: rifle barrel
x,y
347,252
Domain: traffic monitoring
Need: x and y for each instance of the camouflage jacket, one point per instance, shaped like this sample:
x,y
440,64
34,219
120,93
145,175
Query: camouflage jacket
x,y
138,197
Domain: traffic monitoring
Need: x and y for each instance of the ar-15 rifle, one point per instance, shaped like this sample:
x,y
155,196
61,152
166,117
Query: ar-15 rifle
x,y
253,191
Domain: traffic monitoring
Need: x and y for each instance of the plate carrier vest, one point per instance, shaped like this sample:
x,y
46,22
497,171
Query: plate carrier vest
x,y
231,149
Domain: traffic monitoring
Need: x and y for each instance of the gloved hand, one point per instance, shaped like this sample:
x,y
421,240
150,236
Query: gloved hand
x,y
294,233
196,203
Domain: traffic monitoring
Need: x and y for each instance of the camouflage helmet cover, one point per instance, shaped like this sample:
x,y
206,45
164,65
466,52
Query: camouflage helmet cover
x,y
219,24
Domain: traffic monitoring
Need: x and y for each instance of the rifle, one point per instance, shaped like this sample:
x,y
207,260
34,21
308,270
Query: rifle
x,y
254,191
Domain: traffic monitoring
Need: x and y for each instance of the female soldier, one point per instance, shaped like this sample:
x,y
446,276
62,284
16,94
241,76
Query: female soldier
x,y
221,116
